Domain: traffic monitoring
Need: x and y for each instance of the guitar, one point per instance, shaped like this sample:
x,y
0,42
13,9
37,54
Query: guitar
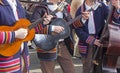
x,y
49,41
10,49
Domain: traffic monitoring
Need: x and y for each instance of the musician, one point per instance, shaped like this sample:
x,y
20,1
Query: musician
x,y
94,15
61,53
10,12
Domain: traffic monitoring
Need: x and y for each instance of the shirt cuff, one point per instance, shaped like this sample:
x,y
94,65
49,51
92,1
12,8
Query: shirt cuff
x,y
83,20
52,28
90,40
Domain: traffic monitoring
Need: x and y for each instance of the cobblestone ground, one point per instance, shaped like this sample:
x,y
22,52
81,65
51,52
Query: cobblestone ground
x,y
35,67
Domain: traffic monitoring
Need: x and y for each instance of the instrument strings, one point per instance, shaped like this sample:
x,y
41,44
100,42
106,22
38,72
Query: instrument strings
x,y
61,6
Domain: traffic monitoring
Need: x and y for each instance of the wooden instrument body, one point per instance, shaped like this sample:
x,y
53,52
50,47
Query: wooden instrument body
x,y
9,49
114,40
113,49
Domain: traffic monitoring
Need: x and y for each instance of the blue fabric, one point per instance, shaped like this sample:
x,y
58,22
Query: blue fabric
x,y
6,14
100,15
99,19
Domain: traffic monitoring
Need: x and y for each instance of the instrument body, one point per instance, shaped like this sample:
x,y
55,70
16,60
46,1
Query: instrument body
x,y
49,41
42,39
9,49
114,40
113,49
112,52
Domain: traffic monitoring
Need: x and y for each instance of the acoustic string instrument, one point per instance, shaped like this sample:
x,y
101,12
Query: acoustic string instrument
x,y
48,41
9,49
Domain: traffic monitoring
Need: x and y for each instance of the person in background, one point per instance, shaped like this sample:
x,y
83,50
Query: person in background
x,y
94,15
75,4
10,12
60,53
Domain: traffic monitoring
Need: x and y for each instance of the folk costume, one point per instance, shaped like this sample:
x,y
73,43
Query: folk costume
x,y
61,53
116,21
90,31
10,12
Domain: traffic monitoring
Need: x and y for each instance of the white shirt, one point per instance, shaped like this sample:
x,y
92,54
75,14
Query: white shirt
x,y
53,8
58,14
13,5
91,25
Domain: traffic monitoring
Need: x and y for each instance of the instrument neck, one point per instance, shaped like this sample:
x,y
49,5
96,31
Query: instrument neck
x,y
75,19
41,19
32,25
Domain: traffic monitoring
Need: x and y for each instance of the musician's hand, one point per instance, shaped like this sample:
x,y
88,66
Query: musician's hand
x,y
21,33
58,29
47,19
116,3
85,15
97,42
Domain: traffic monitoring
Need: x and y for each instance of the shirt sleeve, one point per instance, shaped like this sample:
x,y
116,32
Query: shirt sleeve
x,y
38,14
7,37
